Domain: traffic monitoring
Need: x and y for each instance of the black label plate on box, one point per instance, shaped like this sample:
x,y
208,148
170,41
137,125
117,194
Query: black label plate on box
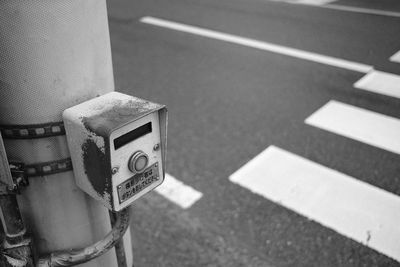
x,y
137,183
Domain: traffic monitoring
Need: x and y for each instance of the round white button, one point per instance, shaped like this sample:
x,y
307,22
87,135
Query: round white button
x,y
141,163
138,162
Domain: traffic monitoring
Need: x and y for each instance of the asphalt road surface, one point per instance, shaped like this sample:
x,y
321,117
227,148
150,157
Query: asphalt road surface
x,y
238,78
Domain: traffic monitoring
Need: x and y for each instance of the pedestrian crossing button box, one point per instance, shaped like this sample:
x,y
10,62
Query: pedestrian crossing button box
x,y
117,144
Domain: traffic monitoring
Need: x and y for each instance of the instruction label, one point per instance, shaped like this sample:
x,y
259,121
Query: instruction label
x,y
137,183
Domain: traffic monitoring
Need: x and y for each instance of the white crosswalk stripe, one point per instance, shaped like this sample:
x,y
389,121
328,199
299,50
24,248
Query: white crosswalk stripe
x,y
307,2
274,48
177,192
381,83
359,124
395,57
355,209
327,4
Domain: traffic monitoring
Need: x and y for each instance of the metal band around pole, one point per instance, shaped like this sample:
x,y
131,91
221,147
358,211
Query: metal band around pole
x,y
32,131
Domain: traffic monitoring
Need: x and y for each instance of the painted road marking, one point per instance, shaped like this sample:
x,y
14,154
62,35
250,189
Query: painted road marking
x,y
380,82
177,192
326,4
336,62
359,124
307,2
362,10
395,57
314,2
357,210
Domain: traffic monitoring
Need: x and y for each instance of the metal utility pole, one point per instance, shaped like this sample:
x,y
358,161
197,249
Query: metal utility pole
x,y
54,54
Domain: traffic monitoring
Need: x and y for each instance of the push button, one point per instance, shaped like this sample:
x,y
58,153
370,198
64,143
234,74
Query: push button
x,y
138,162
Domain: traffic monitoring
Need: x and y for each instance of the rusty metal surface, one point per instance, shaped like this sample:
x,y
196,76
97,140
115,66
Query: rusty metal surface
x,y
116,113
78,256
6,180
11,217
18,255
96,162
119,246
16,249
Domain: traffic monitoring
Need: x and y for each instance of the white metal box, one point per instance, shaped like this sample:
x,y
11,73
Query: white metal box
x,y
117,144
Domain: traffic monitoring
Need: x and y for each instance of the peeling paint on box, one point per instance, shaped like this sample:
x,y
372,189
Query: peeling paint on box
x,y
114,114
96,167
